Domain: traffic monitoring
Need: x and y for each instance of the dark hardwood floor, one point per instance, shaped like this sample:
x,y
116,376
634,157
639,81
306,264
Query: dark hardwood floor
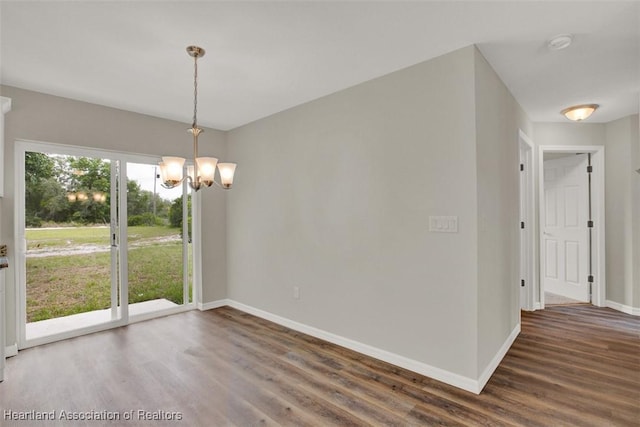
x,y
573,365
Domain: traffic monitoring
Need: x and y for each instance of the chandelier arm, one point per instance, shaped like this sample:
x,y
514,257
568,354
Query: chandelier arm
x,y
192,182
219,185
169,187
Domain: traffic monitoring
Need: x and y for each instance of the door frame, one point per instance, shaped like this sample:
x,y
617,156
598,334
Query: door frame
x,y
21,147
527,215
598,290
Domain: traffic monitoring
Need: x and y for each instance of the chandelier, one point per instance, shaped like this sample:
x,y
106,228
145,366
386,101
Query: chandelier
x,y
203,171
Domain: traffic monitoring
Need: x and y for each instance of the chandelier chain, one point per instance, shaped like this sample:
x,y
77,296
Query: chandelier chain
x,y
195,92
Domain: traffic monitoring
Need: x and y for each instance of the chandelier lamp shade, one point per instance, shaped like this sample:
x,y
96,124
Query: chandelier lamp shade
x,y
202,172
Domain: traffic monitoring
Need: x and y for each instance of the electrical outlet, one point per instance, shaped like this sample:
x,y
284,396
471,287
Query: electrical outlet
x,y
296,292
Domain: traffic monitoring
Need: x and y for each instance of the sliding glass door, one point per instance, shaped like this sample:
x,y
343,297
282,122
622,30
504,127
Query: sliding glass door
x,y
102,243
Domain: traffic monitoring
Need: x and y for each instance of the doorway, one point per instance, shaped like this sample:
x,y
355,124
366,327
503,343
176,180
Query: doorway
x,y
565,234
100,244
571,225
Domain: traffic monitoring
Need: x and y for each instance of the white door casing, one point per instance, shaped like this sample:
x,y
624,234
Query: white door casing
x,y
527,215
565,232
599,268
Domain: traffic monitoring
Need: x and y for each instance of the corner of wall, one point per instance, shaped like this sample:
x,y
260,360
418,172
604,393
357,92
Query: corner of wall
x,y
498,119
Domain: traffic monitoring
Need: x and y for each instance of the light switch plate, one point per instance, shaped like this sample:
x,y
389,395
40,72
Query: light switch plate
x,y
443,224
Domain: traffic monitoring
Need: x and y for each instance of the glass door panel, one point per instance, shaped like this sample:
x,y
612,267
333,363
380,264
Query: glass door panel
x,y
71,257
158,262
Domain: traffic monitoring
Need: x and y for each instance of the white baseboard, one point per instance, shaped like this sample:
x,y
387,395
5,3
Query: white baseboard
x,y
11,350
212,304
537,306
447,377
493,365
623,308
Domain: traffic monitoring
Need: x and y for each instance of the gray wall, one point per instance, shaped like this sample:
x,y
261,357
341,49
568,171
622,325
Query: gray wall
x,y
623,284
335,197
498,118
40,117
569,134
622,196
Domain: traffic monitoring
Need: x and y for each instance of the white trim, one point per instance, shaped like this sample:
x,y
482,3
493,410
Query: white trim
x,y
495,362
160,313
213,304
527,214
597,196
80,151
634,311
598,297
11,350
196,247
20,148
447,377
113,228
34,342
106,326
450,378
185,241
123,240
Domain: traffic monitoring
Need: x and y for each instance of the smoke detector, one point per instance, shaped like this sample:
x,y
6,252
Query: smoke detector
x,y
559,42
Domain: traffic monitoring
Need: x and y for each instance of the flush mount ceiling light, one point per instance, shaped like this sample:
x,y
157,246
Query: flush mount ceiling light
x,y
578,113
559,42
203,171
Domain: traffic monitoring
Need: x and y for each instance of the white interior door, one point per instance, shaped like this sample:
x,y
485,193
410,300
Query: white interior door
x,y
565,233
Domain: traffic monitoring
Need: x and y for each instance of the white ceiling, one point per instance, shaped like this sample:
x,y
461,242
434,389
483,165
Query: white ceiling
x,y
264,57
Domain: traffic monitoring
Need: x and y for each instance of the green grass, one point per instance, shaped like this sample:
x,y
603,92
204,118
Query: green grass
x,y
63,285
69,284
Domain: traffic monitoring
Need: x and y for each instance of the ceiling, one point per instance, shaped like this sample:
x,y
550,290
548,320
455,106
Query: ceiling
x,y
264,57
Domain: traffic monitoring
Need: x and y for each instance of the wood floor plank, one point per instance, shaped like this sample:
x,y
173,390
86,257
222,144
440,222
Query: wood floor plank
x,y
340,402
331,369
256,362
570,366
